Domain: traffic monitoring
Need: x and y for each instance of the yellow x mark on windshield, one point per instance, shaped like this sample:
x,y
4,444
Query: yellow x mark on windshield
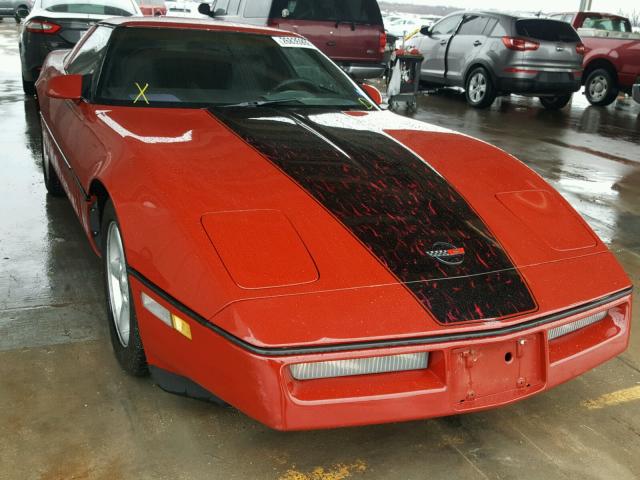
x,y
141,94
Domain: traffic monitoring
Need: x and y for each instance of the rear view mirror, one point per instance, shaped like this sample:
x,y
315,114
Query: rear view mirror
x,y
426,31
67,87
204,9
373,93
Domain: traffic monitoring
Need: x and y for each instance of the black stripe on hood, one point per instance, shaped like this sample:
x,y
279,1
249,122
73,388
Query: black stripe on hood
x,y
395,204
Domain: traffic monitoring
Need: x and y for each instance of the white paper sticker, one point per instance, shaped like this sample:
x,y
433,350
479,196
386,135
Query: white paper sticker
x,y
296,42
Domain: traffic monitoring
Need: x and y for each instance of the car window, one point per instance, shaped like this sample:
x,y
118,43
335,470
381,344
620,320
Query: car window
x,y
546,30
257,8
220,7
234,6
490,26
192,68
446,26
607,23
119,8
357,11
90,54
498,30
473,25
153,3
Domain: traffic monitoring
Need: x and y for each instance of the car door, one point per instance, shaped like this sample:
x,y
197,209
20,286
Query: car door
x,y
71,121
464,46
434,47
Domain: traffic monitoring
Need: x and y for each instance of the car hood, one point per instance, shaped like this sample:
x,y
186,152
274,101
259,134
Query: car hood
x,y
387,226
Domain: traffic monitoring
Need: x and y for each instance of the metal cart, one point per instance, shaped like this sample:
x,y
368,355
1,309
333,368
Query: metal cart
x,y
404,80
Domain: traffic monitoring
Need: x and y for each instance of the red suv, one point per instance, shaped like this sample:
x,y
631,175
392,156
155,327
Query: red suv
x,y
350,32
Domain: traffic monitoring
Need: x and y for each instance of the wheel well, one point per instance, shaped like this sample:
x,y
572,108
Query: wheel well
x,y
99,191
599,63
473,67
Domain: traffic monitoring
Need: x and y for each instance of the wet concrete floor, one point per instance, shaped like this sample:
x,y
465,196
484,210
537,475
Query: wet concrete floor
x,y
67,411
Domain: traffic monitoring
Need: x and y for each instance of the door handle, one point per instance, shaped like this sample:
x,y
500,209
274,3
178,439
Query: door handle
x,y
443,42
331,44
476,43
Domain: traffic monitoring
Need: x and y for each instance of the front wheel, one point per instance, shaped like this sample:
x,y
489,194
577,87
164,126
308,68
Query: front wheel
x,y
51,179
123,324
479,89
555,103
600,88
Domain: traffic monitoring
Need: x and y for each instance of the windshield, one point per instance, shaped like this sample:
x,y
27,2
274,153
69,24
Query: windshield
x,y
116,8
357,11
610,24
175,67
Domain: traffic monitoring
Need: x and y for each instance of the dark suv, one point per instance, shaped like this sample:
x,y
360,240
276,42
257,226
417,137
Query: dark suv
x,y
350,32
489,54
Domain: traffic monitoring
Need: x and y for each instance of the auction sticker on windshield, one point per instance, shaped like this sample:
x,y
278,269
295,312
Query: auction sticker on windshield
x,y
293,42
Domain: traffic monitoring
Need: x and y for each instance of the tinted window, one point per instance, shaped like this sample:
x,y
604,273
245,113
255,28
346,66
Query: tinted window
x,y
196,67
89,56
117,8
607,23
498,30
473,25
490,26
446,26
359,11
547,30
257,8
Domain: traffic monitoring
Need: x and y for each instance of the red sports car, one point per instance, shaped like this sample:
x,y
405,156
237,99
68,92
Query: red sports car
x,y
274,240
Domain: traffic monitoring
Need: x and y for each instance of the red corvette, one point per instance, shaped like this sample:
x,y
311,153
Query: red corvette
x,y
273,240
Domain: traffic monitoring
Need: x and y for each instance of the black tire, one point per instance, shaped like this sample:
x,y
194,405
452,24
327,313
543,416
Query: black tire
x,y
51,179
601,88
29,88
555,103
131,356
479,89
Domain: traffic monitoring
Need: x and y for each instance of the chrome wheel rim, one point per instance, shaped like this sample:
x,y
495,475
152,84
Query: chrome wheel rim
x,y
477,87
598,88
118,282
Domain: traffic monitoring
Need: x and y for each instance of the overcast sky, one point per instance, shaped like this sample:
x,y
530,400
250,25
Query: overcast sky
x,y
546,5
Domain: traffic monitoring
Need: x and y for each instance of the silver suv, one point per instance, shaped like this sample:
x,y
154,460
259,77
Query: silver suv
x,y
490,54
17,9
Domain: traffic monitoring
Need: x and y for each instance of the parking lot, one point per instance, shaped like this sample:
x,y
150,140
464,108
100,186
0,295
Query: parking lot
x,y
68,412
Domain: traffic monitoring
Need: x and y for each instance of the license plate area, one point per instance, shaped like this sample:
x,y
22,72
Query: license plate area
x,y
497,372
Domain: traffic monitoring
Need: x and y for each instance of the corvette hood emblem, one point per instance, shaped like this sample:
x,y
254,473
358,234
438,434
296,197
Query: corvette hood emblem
x,y
446,253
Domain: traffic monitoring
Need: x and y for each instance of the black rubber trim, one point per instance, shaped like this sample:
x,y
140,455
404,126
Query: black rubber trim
x,y
341,347
183,386
64,158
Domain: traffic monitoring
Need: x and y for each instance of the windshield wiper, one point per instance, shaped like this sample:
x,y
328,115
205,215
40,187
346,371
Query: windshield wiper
x,y
261,103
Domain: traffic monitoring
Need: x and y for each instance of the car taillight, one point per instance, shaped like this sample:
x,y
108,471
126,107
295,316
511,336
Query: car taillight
x,y
383,41
42,26
520,44
581,49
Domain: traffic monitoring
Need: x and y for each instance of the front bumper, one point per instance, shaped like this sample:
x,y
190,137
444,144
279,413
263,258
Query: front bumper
x,y
540,82
463,375
363,71
636,92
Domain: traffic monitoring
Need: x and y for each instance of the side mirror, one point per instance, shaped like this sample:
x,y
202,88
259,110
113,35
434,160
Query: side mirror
x,y
373,93
67,87
22,12
204,9
426,31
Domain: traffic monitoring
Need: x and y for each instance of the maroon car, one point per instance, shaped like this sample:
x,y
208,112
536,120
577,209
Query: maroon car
x,y
152,8
350,32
